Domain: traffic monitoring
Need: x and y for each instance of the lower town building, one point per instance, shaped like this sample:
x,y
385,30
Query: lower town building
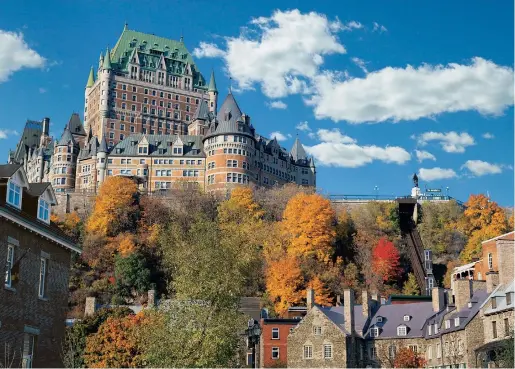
x,y
273,344
37,255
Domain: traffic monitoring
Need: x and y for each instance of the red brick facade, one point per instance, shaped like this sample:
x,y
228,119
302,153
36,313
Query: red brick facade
x,y
274,341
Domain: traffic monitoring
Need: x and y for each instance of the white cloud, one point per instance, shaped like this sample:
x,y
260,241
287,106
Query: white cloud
x,y
451,142
488,136
279,136
277,105
379,28
208,50
481,168
15,54
436,173
4,133
336,149
351,25
412,93
361,64
282,54
303,126
424,155
42,90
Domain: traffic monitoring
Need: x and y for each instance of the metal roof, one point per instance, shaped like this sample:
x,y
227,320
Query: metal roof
x,y
160,145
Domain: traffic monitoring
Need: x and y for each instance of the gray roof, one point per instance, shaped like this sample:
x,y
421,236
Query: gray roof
x,y
297,151
230,111
160,145
75,125
500,295
90,149
202,111
29,139
66,138
37,189
103,145
7,170
393,316
337,316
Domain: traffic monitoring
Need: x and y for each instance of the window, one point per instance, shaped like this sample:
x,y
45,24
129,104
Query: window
x,y
413,348
494,303
429,330
43,211
14,195
232,163
457,321
275,333
373,353
42,277
328,351
406,318
317,331
506,327
142,150
401,330
392,352
275,353
490,261
249,359
9,265
436,328
494,329
374,332
379,319
429,352
508,298
447,324
28,351
308,352
438,351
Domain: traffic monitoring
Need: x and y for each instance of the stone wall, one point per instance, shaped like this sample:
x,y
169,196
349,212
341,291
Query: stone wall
x,y
82,203
382,349
500,324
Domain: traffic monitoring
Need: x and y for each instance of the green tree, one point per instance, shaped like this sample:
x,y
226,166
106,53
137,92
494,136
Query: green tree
x,y
132,275
411,286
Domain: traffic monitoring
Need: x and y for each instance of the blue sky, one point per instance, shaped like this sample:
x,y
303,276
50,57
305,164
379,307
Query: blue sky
x,y
375,90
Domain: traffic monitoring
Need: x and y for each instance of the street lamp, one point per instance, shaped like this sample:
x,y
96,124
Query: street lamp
x,y
447,190
253,333
376,189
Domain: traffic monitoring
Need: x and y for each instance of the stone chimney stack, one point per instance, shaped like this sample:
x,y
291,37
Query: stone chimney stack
x,y
91,306
310,298
366,304
492,281
437,297
462,293
348,310
151,298
505,261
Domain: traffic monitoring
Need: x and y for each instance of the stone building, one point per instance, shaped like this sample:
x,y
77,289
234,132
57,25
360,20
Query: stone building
x,y
36,255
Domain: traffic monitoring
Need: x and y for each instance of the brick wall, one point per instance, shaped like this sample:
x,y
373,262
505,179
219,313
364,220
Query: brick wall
x,y
21,308
267,343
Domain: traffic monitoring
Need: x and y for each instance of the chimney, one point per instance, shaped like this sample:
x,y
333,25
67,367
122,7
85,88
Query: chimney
x,y
338,300
151,298
462,293
348,310
366,304
91,306
505,261
310,298
437,297
492,281
46,126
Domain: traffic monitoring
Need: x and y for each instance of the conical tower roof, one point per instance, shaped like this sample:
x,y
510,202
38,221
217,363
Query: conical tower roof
x,y
66,138
230,111
103,145
91,78
212,83
297,151
107,60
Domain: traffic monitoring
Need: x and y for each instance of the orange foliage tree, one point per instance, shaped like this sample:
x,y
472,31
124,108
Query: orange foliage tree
x,y
115,344
385,260
407,358
284,283
308,222
321,292
482,219
114,207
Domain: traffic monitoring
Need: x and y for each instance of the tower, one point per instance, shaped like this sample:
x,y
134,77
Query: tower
x,y
89,85
213,93
102,160
105,79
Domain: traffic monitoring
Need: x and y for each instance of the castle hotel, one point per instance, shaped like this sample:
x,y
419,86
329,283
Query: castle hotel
x,y
150,115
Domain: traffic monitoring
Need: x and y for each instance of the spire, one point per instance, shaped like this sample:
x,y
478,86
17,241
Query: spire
x,y
107,60
212,83
100,60
126,26
91,78
103,145
297,151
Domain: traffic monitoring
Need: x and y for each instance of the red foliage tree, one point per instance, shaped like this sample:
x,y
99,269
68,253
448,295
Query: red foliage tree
x,y
385,259
407,358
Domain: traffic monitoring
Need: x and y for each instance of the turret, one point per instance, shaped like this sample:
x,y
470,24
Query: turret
x,y
89,84
105,77
102,160
213,93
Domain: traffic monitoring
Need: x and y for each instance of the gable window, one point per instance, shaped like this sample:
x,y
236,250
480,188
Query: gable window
x,y
374,332
308,352
275,353
14,195
9,265
142,150
43,211
317,331
401,330
328,351
490,261
275,333
42,277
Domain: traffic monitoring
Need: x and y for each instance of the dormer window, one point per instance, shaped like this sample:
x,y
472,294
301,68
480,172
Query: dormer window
x,y
44,211
374,332
402,330
379,319
508,298
429,330
406,318
457,321
447,324
14,195
143,150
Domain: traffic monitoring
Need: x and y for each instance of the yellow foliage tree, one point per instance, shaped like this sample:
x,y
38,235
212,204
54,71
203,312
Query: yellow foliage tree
x,y
125,244
482,219
308,223
113,207
284,283
321,292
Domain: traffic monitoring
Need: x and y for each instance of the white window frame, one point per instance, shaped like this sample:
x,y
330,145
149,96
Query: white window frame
x,y
447,324
28,357
429,352
457,321
308,352
429,330
406,318
275,330
327,348
413,348
16,190
275,350
317,330
374,332
44,210
401,329
379,319
9,265
43,268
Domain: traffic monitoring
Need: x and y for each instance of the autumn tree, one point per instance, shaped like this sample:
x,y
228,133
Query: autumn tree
x,y
273,201
407,358
483,219
308,222
321,292
284,283
385,260
448,273
411,286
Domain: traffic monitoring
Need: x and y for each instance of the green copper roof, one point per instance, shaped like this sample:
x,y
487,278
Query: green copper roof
x,y
107,60
212,83
91,78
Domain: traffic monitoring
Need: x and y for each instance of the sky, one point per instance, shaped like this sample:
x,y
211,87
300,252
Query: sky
x,y
375,90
